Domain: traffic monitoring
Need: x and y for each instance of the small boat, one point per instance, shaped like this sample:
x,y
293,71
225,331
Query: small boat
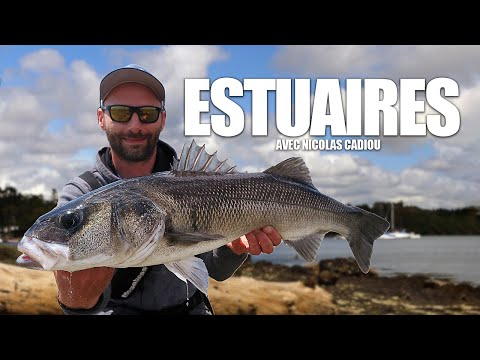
x,y
402,234
393,234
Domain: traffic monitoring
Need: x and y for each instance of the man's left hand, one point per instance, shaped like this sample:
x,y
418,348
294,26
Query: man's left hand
x,y
256,242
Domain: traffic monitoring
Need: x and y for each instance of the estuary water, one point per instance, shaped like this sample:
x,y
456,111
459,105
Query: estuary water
x,y
440,256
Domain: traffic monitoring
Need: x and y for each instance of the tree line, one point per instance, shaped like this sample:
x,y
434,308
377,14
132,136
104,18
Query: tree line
x,y
462,221
19,211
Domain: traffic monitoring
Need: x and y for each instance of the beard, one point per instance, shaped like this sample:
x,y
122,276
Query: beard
x,y
136,153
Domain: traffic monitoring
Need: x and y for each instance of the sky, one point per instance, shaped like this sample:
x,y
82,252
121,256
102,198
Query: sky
x,y
49,130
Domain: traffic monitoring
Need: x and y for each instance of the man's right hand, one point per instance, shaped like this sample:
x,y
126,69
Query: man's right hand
x,y
82,289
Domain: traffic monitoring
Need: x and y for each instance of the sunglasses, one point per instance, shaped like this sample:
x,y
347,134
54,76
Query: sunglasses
x,y
123,113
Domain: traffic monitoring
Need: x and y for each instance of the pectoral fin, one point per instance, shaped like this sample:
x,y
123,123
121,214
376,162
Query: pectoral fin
x,y
192,269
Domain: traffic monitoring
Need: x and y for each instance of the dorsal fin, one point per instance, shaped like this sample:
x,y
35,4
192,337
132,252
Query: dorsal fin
x,y
294,168
195,160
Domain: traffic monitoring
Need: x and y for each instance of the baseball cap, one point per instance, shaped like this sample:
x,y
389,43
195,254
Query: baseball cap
x,y
131,73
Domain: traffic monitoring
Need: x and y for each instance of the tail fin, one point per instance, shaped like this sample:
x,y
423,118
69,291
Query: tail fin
x,y
367,227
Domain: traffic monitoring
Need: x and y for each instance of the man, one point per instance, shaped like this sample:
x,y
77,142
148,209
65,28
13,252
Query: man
x,y
133,115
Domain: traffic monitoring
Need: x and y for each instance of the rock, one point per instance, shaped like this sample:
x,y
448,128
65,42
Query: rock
x,y
264,270
342,267
327,277
244,295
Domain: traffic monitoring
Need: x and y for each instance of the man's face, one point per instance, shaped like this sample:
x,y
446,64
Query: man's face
x,y
132,140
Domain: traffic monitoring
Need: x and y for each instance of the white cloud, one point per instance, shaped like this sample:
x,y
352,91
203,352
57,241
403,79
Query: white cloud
x,y
459,62
43,60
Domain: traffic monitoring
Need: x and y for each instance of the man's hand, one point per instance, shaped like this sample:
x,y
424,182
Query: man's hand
x,y
82,289
256,242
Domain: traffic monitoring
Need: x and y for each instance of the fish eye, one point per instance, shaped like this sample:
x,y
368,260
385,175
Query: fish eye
x,y
70,219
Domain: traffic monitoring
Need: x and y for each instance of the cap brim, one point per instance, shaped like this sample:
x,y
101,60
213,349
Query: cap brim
x,y
121,76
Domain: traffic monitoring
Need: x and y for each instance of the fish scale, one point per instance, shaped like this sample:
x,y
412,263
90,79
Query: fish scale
x,y
229,206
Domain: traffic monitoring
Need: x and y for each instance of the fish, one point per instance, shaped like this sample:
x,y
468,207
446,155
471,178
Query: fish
x,y
199,205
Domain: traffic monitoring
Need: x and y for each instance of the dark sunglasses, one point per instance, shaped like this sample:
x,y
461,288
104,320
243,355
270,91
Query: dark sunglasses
x,y
123,113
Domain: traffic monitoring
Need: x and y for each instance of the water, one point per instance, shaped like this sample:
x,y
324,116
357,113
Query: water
x,y
454,257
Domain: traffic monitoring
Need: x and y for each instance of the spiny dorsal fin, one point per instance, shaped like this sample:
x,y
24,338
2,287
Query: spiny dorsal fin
x,y
294,168
194,160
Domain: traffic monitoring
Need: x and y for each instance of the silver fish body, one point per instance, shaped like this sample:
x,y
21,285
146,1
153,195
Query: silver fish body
x,y
166,218
229,206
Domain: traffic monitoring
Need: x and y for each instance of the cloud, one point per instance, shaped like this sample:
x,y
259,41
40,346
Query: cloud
x,y
459,62
43,60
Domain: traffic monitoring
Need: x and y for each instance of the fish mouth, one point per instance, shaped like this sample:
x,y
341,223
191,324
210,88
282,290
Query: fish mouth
x,y
27,262
38,254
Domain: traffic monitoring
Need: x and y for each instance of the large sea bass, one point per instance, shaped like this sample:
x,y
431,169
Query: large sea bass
x,y
202,204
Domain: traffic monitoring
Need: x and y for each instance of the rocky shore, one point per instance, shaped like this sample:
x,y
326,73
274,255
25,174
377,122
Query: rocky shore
x,y
330,287
349,291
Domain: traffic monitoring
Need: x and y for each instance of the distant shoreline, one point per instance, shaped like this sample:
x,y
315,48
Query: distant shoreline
x,y
7,242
